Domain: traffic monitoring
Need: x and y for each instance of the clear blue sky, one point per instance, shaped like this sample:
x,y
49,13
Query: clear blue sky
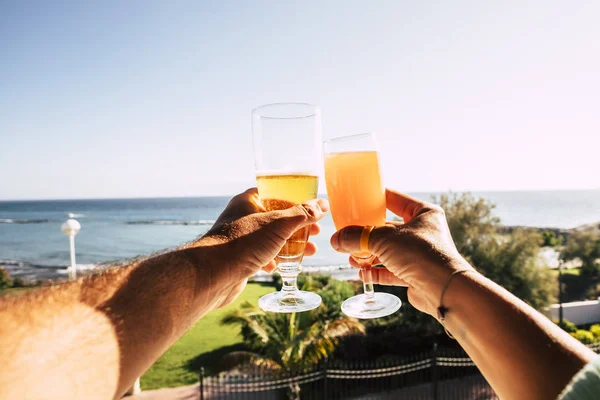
x,y
153,98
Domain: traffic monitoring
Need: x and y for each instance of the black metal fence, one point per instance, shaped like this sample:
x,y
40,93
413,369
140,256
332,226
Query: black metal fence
x,y
438,374
441,374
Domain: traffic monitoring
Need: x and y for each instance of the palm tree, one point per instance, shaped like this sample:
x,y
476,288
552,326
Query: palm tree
x,y
290,342
294,342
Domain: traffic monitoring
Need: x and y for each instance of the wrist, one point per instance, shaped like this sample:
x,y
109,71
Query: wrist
x,y
437,278
208,254
213,277
219,256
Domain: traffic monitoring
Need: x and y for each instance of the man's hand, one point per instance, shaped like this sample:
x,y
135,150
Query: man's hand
x,y
246,237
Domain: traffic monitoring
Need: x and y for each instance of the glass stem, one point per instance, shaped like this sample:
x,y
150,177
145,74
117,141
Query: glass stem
x,y
368,282
290,284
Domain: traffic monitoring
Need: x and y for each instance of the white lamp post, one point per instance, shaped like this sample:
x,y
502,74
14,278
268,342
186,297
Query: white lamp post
x,y
70,228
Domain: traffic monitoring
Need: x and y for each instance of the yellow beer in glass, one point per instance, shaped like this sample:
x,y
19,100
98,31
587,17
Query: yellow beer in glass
x,y
279,192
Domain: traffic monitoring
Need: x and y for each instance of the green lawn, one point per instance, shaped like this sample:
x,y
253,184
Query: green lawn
x,y
566,271
14,291
202,344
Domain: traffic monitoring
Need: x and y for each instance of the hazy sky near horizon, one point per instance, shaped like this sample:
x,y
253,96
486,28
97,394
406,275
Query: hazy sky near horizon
x,y
151,98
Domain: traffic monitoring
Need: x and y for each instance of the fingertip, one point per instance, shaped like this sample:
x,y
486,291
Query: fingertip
x,y
335,240
323,204
315,229
270,267
310,249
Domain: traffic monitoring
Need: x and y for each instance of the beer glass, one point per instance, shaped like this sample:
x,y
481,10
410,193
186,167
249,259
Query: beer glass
x,y
287,150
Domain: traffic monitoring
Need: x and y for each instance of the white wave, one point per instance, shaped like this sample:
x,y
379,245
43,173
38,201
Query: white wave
x,y
23,221
170,222
86,267
21,263
80,268
75,215
6,262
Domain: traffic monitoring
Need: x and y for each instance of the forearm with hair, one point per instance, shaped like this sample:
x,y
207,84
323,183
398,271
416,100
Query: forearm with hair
x,y
93,337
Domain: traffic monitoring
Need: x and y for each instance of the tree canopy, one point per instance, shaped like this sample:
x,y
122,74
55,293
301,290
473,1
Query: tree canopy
x,y
584,246
511,259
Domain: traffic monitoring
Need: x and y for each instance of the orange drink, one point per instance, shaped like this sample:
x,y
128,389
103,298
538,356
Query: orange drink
x,y
356,195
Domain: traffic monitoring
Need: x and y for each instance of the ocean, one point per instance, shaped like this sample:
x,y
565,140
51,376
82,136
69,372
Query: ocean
x,y
32,245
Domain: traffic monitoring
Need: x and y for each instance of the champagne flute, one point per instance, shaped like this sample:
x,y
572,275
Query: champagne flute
x,y
357,197
287,149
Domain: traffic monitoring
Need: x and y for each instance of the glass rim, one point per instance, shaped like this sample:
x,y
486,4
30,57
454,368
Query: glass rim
x,y
349,137
256,111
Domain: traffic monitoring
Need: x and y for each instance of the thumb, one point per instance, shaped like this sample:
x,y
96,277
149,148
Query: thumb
x,y
347,240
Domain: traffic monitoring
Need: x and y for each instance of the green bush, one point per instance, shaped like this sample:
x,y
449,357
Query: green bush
x,y
585,337
566,325
19,283
595,329
333,295
584,246
550,239
310,282
5,279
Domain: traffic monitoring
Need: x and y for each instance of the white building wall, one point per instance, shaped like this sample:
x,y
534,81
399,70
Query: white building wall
x,y
578,312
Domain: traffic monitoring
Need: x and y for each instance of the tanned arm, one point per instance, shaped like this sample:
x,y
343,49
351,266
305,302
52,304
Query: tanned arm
x,y
93,337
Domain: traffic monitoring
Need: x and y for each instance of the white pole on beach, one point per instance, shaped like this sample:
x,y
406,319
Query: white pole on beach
x,y
70,228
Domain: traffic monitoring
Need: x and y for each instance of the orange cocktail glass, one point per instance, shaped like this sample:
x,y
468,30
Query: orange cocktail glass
x,y
357,197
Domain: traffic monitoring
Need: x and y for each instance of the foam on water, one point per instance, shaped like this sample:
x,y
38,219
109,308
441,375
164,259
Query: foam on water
x,y
23,221
75,215
161,222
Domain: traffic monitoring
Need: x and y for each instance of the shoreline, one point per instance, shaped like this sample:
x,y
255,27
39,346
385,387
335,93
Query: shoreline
x,y
32,272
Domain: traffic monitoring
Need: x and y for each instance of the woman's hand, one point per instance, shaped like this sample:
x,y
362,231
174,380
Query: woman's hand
x,y
246,238
418,253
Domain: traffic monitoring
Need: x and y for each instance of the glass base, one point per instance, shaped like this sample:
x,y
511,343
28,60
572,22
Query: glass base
x,y
289,302
376,306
